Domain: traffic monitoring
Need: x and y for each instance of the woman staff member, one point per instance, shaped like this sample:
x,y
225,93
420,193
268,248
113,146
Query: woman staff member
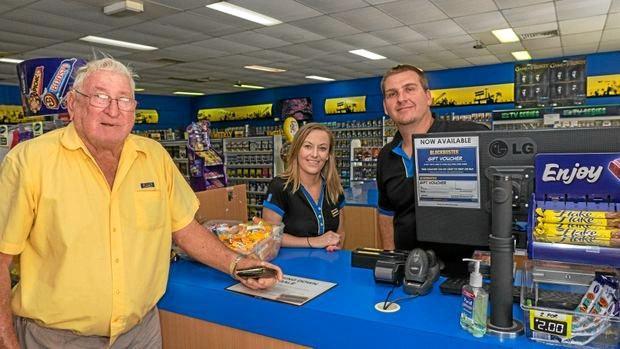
x,y
308,197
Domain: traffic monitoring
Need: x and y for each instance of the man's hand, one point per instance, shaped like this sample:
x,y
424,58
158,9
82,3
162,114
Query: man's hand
x,y
260,283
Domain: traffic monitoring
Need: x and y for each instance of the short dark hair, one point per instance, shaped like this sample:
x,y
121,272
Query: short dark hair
x,y
402,68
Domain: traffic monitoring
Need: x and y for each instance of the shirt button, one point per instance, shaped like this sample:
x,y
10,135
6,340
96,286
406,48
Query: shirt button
x,y
118,292
116,260
114,230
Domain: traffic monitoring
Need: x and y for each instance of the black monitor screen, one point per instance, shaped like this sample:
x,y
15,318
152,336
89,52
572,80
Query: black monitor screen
x,y
454,175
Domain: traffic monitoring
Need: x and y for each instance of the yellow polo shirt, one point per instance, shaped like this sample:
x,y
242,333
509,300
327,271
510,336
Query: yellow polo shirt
x,y
94,260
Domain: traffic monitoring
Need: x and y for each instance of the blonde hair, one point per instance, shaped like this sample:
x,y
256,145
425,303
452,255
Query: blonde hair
x,y
329,171
107,64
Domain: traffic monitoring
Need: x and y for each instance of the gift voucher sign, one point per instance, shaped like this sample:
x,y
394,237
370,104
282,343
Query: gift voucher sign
x,y
292,290
447,172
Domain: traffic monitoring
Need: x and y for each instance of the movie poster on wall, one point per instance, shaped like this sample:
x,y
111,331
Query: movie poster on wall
x,y
246,112
604,85
345,105
147,116
544,84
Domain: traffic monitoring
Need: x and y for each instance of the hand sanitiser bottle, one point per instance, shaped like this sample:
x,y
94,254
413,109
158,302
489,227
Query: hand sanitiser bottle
x,y
475,303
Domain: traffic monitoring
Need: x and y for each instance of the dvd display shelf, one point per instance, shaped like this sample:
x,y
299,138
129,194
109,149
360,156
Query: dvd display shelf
x,y
364,163
253,161
369,133
178,153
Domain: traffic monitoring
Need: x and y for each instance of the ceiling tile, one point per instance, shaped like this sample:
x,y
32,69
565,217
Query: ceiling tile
x,y
180,5
485,37
326,26
274,56
399,35
581,25
455,63
482,22
536,28
421,47
613,21
467,51
607,46
27,16
438,29
482,60
290,33
330,6
546,53
615,6
455,41
141,38
391,51
330,45
580,49
582,38
440,55
457,8
283,10
363,41
611,35
252,38
224,45
540,44
367,19
413,11
505,48
529,15
300,50
571,9
207,21
505,4
430,66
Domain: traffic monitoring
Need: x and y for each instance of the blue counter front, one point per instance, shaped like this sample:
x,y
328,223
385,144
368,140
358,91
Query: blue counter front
x,y
342,317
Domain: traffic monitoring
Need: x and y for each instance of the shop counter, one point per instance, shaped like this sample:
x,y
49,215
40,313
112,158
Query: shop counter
x,y
342,317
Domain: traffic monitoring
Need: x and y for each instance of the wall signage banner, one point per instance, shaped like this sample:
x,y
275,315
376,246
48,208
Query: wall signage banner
x,y
247,112
147,116
473,95
544,84
517,114
345,105
604,85
14,114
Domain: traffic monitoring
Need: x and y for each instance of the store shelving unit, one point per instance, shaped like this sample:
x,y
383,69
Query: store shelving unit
x,y
253,161
364,163
178,152
369,133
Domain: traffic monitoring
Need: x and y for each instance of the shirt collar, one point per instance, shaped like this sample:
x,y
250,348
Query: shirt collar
x,y
72,141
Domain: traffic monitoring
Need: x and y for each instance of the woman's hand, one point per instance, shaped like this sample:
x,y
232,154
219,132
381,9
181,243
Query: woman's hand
x,y
260,283
330,241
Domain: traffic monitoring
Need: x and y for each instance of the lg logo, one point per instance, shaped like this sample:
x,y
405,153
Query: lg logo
x,y
500,148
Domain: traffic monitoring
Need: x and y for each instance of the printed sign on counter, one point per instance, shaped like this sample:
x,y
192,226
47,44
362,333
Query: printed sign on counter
x,y
292,290
447,172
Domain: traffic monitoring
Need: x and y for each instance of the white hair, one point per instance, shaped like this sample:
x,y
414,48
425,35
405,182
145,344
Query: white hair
x,y
107,64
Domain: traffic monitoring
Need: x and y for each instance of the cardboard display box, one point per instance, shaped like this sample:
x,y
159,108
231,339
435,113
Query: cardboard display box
x,y
229,203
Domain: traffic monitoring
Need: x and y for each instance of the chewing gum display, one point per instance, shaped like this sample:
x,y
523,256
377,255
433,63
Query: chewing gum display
x,y
592,294
602,218
577,234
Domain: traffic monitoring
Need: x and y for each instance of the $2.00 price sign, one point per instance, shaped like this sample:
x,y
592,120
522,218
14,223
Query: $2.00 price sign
x,y
550,322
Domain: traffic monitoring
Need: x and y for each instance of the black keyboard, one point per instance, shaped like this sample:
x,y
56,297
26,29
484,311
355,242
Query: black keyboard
x,y
546,298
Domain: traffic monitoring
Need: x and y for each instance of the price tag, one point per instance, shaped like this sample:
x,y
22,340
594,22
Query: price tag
x,y
4,135
37,128
552,323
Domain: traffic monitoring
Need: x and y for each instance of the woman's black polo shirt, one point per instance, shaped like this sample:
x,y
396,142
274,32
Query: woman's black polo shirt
x,y
395,183
302,216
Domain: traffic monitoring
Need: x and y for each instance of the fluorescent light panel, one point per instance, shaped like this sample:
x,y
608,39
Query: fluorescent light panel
x,y
505,35
248,86
138,89
521,55
244,13
367,54
188,93
316,77
267,69
11,60
118,43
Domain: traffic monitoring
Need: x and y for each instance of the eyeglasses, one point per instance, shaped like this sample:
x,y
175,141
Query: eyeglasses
x,y
101,100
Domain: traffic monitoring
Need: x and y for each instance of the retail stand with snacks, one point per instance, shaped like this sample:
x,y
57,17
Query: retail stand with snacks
x,y
253,161
574,247
206,168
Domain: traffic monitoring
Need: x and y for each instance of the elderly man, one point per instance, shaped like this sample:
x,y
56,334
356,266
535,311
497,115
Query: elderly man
x,y
92,211
407,100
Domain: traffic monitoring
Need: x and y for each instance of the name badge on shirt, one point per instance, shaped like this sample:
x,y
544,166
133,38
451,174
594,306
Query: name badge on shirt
x,y
335,212
147,186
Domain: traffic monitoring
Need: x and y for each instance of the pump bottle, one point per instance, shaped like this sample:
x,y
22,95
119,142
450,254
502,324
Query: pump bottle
x,y
475,303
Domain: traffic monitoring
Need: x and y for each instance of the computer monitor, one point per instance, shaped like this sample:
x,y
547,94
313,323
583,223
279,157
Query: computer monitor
x,y
454,176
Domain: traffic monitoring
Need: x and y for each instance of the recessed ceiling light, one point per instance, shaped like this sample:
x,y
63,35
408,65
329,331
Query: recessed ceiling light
x,y
137,89
316,77
248,86
11,60
188,93
367,54
521,55
268,69
118,43
505,35
244,13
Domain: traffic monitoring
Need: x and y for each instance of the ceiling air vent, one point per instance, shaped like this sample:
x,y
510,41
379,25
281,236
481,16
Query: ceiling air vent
x,y
539,35
189,79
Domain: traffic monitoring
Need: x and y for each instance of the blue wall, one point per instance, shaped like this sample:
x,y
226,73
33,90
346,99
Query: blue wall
x,y
178,112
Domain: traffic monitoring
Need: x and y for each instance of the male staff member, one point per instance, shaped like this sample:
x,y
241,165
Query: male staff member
x,y
92,211
407,100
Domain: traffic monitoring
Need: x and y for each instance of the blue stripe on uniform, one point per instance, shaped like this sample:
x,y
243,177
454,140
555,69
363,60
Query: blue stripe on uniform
x,y
273,207
316,208
407,161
